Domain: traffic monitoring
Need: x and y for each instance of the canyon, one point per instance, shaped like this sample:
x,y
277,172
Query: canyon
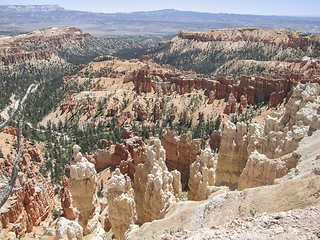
x,y
137,149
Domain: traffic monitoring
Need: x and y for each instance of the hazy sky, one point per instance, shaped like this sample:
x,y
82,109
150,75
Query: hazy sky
x,y
260,7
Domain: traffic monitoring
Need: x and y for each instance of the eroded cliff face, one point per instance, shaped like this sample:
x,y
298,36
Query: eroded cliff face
x,y
121,204
31,200
252,155
280,37
181,151
233,154
155,189
202,176
275,153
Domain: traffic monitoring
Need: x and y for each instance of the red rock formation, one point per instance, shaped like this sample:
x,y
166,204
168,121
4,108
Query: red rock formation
x,y
68,104
231,105
14,58
102,159
180,151
31,200
156,110
212,97
173,113
10,130
243,103
122,117
142,113
185,116
33,151
129,154
215,140
275,99
105,143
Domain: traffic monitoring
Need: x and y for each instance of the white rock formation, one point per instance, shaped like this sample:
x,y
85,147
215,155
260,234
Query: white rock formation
x,y
272,150
68,230
232,154
121,204
156,189
82,185
202,176
267,146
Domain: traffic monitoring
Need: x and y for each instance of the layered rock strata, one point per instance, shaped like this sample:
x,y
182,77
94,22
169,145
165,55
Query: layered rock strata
x,y
121,204
274,153
155,189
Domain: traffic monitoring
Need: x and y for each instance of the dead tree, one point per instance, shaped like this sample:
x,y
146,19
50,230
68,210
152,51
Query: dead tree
x,y
18,108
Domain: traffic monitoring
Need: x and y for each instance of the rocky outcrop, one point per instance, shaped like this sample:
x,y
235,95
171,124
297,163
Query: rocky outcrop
x,y
156,109
181,151
15,58
272,148
10,130
212,97
155,190
185,116
231,105
121,204
215,140
202,176
233,154
82,185
142,113
31,200
68,230
129,154
69,211
261,170
102,159
279,37
33,151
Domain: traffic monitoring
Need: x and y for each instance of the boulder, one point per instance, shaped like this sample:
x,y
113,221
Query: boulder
x,y
68,230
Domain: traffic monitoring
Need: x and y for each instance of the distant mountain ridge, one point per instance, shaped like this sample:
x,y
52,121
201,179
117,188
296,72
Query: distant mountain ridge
x,y
150,26
30,8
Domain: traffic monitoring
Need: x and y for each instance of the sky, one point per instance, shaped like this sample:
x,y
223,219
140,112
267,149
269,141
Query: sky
x,y
256,7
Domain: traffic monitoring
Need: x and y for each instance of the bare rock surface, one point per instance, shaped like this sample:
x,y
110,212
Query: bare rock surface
x,y
202,176
121,204
82,185
154,190
180,151
68,230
